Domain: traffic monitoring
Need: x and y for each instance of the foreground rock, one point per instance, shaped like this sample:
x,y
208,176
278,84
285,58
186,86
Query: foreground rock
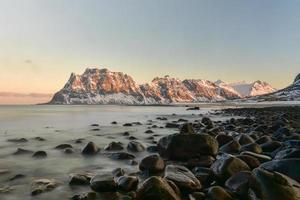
x,y
152,164
103,183
156,188
187,146
276,186
227,166
90,149
43,185
183,178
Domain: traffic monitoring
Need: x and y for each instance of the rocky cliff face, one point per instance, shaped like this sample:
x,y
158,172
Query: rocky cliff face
x,y
101,86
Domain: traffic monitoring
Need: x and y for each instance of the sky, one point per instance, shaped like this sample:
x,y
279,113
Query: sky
x,y
42,42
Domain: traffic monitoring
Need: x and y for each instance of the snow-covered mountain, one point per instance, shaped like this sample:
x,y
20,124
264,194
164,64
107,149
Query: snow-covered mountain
x,y
290,93
101,86
252,89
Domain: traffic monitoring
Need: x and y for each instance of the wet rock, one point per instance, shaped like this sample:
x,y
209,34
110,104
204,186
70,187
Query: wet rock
x,y
118,172
21,151
288,167
127,124
202,161
90,149
149,131
80,179
288,153
39,154
245,139
270,146
63,146
132,138
172,125
68,151
87,196
152,164
223,139
114,146
251,161
43,185
187,128
218,193
127,183
79,141
18,140
17,176
103,183
227,165
204,175
241,183
276,186
156,188
126,133
281,132
231,147
197,196
114,122
253,147
152,149
264,139
135,146
183,178
185,147
193,108
121,156
40,139
260,157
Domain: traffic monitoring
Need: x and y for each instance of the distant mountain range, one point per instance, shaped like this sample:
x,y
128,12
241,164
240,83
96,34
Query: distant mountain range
x,y
101,86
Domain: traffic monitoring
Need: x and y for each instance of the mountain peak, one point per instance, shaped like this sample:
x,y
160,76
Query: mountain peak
x,y
297,79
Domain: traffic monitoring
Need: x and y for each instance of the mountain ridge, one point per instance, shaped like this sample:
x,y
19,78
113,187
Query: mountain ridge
x,y
101,86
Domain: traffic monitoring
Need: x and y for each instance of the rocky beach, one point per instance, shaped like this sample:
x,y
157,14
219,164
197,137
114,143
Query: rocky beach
x,y
193,153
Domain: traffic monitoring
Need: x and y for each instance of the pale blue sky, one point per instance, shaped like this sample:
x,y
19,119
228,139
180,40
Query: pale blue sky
x,y
43,41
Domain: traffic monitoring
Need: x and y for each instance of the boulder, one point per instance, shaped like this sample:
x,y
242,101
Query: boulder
x,y
43,185
152,164
39,154
245,139
288,153
127,183
218,193
114,146
253,147
185,147
183,178
103,183
231,147
90,149
156,188
135,146
276,186
227,165
121,156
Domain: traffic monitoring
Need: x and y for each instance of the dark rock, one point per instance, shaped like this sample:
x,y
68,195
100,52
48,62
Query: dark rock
x,y
126,133
21,151
68,151
17,176
253,147
218,193
204,175
241,183
80,179
114,146
270,146
281,132
251,161
223,139
122,156
118,172
95,125
288,153
103,183
149,131
135,146
197,196
183,178
245,139
114,122
156,188
288,167
152,149
260,157
40,139
264,139
18,140
152,164
202,161
127,183
90,149
132,138
187,128
43,185
226,166
39,154
185,147
231,147
208,123
276,186
172,125
127,124
193,108
63,146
